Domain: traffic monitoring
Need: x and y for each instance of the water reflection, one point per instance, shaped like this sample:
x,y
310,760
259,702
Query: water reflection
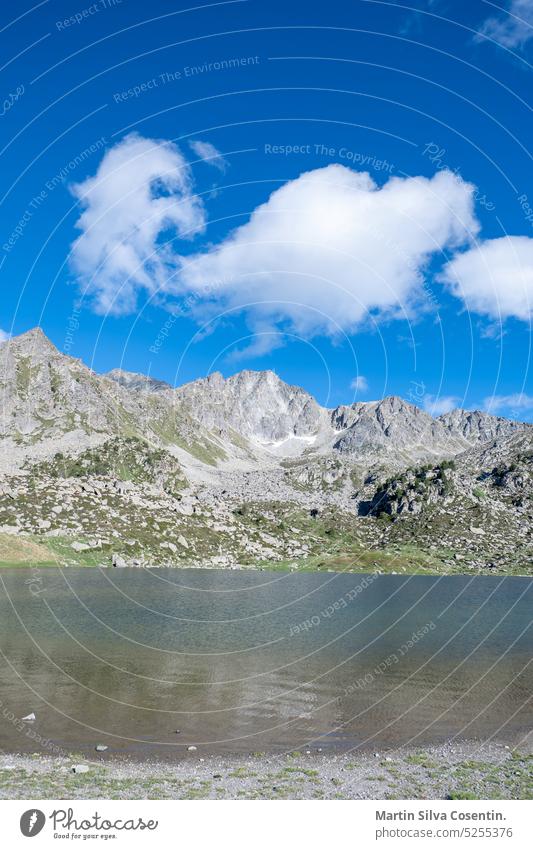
x,y
256,661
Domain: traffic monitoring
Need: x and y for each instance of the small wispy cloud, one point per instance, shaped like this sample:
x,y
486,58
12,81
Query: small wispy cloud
x,y
492,330
408,341
513,28
359,383
207,152
4,336
437,405
517,403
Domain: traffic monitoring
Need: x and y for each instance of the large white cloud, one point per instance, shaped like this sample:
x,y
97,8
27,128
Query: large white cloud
x,y
513,28
142,190
322,253
331,246
495,278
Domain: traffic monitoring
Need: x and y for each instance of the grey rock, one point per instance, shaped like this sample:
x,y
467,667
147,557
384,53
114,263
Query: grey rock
x,y
80,546
136,382
477,427
118,561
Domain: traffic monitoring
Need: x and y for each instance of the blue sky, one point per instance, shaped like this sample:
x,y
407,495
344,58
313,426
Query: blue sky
x,y
184,190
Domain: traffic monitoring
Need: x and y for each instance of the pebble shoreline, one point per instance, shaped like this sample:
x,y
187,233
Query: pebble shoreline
x,y
450,771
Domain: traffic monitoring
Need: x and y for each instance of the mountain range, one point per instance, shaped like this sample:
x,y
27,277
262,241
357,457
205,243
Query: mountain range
x,y
215,452
52,402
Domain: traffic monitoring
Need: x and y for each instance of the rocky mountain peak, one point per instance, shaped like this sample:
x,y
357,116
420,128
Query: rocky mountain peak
x,y
137,382
256,404
477,427
392,425
31,343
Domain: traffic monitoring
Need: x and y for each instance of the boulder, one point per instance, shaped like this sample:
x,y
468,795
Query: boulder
x,y
122,486
80,546
118,561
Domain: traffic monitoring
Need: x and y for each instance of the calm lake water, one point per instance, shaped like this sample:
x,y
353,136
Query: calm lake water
x,y
244,662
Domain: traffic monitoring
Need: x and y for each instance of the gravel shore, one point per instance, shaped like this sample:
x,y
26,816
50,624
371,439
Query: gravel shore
x,y
452,771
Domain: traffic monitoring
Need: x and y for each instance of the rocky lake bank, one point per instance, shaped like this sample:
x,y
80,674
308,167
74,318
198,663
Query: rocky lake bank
x,y
465,770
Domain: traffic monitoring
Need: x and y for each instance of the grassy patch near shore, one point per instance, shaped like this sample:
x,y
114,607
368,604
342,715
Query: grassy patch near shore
x,y
22,551
41,552
366,560
404,560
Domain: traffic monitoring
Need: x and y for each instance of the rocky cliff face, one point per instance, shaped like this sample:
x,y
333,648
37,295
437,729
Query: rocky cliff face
x,y
53,403
392,426
257,405
48,399
137,382
476,427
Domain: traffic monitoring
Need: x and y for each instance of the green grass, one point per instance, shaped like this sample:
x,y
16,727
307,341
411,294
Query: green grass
x,y
507,777
406,560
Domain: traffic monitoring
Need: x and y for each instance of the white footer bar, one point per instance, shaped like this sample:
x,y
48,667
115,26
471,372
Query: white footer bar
x,y
258,824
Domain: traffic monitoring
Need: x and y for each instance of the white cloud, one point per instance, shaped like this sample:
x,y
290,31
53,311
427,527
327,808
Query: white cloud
x,y
141,191
359,383
513,28
437,405
4,336
209,153
517,402
331,246
495,278
325,251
